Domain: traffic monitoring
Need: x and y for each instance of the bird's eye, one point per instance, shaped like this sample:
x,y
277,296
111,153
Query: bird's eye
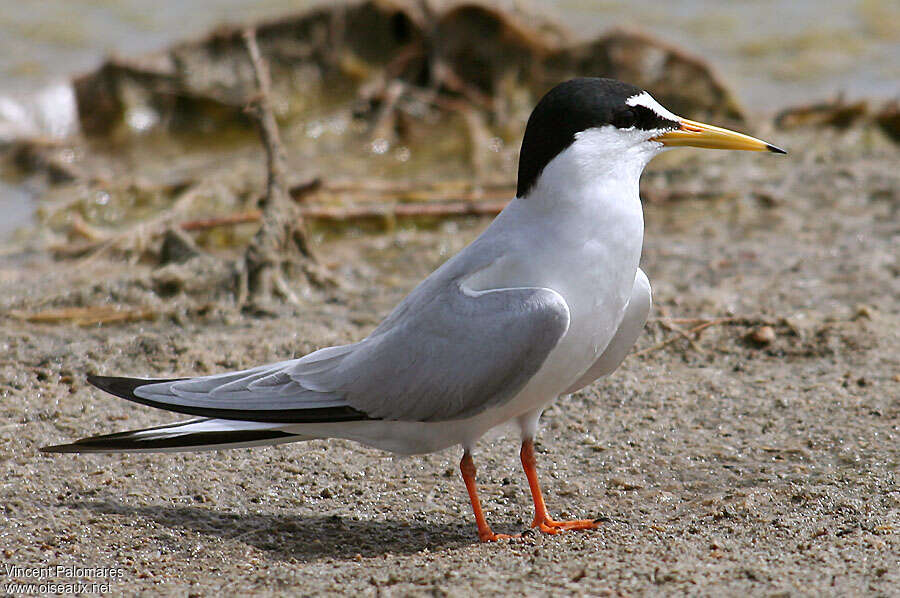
x,y
625,119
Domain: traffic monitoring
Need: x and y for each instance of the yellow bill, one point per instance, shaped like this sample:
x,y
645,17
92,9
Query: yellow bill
x,y
696,134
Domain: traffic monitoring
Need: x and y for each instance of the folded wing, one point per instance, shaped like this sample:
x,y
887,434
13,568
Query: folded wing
x,y
453,355
444,353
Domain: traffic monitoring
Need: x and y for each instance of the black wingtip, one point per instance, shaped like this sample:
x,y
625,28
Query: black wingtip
x,y
775,149
140,440
124,387
61,448
121,387
110,384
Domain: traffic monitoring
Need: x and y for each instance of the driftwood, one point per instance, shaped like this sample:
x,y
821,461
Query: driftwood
x,y
840,114
375,187
836,113
385,54
888,118
136,237
361,213
87,316
281,237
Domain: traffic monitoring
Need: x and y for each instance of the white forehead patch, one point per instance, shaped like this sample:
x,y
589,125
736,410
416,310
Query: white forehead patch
x,y
646,100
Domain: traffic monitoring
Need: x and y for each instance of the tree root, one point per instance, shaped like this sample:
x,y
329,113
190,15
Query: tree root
x,y
281,238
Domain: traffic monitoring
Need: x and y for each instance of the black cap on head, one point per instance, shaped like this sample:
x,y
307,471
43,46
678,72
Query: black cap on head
x,y
575,106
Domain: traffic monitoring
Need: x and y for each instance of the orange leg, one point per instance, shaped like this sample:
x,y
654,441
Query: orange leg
x,y
542,519
485,534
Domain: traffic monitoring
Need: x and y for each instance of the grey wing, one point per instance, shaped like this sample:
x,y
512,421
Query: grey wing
x,y
455,352
445,353
630,328
278,392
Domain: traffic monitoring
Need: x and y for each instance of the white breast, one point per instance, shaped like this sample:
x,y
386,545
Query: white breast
x,y
581,238
592,263
579,232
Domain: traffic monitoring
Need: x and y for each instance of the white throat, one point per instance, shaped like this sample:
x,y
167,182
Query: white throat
x,y
604,161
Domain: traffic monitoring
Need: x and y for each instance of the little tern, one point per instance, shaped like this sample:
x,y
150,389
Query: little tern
x,y
545,301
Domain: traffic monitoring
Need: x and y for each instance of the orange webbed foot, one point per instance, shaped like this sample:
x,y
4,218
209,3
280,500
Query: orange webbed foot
x,y
542,520
549,526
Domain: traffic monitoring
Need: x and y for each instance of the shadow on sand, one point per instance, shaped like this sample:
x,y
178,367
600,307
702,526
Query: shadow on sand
x,y
294,538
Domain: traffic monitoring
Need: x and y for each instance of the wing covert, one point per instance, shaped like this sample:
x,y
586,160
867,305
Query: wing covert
x,y
455,353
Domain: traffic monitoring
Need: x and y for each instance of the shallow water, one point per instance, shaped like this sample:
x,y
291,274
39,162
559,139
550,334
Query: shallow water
x,y
771,51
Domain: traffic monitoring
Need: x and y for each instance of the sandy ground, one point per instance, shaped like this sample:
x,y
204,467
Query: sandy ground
x,y
720,466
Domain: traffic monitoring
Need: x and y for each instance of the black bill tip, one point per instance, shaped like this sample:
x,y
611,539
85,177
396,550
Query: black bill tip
x,y
775,149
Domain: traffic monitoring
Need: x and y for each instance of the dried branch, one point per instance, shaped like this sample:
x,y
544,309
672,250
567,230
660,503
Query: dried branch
x,y
702,324
134,238
281,236
668,325
218,221
381,190
362,213
87,316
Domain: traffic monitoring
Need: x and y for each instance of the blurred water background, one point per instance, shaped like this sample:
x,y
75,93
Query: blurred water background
x,y
771,53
